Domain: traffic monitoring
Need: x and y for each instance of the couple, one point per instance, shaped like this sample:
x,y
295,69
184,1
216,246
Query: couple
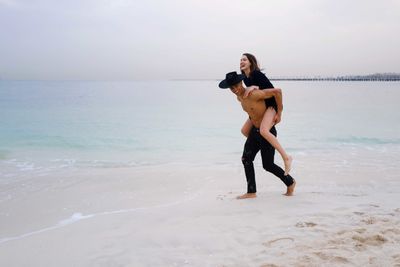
x,y
264,108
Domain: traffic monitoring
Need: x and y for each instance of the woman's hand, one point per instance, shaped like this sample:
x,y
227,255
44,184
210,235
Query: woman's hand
x,y
249,89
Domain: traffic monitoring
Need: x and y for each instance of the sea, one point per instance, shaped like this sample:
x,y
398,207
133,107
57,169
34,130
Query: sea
x,y
47,127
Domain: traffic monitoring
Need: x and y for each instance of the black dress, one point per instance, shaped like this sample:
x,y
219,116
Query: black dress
x,y
259,79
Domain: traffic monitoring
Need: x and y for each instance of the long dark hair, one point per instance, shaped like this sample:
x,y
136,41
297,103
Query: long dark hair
x,y
253,62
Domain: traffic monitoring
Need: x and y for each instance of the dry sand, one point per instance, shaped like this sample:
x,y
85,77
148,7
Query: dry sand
x,y
188,216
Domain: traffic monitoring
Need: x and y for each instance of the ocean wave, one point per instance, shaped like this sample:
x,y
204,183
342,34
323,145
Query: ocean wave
x,y
47,166
365,140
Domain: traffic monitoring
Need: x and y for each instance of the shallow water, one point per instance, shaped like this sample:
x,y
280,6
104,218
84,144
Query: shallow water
x,y
143,161
51,126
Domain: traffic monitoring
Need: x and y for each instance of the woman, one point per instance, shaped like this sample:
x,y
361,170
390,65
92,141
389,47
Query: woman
x,y
256,79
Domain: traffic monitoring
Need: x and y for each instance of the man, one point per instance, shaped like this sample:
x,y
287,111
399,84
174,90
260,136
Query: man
x,y
254,105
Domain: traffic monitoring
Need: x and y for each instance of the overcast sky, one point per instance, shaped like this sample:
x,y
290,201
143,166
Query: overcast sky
x,y
155,39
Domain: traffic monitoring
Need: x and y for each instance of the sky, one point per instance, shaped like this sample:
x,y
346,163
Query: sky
x,y
199,39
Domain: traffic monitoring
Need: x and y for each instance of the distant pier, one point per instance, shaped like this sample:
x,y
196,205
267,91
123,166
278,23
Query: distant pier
x,y
376,77
337,79
379,77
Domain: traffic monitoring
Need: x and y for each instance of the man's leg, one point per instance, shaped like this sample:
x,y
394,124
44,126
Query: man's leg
x,y
250,150
267,154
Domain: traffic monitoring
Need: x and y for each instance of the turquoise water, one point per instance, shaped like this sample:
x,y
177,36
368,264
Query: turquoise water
x,y
62,124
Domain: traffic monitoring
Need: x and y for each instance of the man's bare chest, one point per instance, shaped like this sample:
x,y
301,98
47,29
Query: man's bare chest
x,y
252,106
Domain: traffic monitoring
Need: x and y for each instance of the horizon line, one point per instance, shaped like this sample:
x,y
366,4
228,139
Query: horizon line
x,y
375,76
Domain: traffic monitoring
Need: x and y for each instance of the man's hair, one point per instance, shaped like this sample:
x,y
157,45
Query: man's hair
x,y
253,62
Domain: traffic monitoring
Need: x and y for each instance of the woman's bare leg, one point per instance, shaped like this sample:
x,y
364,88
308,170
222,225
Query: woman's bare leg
x,y
247,128
267,123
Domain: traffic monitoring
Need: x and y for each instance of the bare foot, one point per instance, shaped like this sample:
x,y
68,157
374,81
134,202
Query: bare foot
x,y
288,164
247,195
290,189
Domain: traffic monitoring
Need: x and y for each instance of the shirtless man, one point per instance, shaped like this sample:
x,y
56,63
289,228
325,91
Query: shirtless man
x,y
254,105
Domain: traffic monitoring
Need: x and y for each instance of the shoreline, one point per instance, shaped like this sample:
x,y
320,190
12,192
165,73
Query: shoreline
x,y
191,217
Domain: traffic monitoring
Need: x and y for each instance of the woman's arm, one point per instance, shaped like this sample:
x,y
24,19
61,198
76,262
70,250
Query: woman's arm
x,y
267,93
249,89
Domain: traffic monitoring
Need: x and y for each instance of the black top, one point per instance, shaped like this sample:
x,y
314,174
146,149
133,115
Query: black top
x,y
259,79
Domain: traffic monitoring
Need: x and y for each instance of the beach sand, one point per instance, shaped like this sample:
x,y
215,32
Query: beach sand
x,y
188,215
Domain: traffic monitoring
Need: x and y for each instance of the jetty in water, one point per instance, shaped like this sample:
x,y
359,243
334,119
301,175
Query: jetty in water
x,y
372,77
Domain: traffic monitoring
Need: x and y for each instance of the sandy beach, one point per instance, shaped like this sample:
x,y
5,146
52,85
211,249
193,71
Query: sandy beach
x,y
122,141
187,215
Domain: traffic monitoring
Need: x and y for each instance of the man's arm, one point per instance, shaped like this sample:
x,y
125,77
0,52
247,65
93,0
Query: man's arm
x,y
278,98
265,93
268,93
247,127
279,105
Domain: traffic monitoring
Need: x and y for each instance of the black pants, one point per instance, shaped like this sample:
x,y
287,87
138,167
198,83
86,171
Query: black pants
x,y
254,143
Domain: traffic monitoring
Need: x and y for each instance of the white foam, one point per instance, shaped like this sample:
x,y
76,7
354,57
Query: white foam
x,y
76,217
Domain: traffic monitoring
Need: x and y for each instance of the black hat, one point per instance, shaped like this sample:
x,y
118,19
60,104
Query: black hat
x,y
231,78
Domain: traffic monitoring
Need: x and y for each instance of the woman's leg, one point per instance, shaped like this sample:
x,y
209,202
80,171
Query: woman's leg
x,y
246,128
266,125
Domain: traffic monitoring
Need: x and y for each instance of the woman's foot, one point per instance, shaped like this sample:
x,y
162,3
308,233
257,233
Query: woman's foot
x,y
290,189
288,164
247,195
